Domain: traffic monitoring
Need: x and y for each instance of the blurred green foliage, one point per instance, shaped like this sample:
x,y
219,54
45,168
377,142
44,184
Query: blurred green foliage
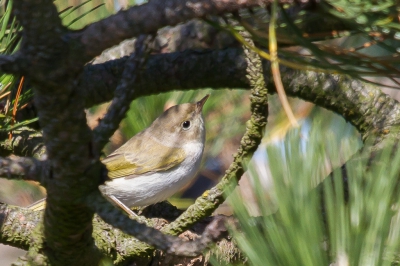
x,y
363,231
76,14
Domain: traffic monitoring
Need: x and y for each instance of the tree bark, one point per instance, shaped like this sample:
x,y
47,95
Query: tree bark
x,y
54,59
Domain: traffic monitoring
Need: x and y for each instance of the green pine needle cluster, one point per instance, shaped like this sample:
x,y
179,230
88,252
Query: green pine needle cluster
x,y
358,38
295,229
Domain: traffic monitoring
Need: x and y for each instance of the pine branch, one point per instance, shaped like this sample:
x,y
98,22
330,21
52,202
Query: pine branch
x,y
169,244
364,105
25,169
211,199
134,21
123,94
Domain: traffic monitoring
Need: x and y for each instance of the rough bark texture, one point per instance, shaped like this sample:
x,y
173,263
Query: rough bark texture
x,y
364,105
54,58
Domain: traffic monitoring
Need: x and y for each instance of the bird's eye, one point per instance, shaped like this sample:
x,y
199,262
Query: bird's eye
x,y
186,125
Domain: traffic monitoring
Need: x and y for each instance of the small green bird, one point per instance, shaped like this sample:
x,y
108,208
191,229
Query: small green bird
x,y
157,162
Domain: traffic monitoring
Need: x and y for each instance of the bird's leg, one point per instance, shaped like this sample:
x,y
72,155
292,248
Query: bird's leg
x,y
117,202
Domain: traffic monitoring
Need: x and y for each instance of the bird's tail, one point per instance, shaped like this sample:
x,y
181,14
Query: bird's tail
x,y
38,205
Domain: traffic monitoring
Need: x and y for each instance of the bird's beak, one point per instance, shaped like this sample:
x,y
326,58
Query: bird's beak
x,y
200,103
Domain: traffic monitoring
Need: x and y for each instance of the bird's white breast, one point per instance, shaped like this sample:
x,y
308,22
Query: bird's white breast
x,y
152,188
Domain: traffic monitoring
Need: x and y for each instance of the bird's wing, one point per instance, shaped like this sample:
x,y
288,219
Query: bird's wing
x,y
147,158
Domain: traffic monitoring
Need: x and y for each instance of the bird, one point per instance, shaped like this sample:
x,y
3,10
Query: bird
x,y
158,161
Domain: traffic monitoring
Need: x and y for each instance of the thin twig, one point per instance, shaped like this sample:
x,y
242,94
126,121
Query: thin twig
x,y
123,94
276,74
14,112
170,244
5,94
5,88
206,204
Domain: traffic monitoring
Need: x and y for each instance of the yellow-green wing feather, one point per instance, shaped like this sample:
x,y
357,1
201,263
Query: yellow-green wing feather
x,y
144,158
38,205
118,166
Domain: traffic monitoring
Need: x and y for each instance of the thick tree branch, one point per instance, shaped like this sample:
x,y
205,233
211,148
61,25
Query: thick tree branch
x,y
194,34
363,105
169,244
42,41
49,61
37,31
123,94
17,225
135,21
197,34
25,169
166,72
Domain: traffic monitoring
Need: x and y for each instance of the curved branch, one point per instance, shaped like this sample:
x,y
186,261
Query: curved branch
x,y
210,200
363,105
135,21
169,244
185,70
123,94
19,225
